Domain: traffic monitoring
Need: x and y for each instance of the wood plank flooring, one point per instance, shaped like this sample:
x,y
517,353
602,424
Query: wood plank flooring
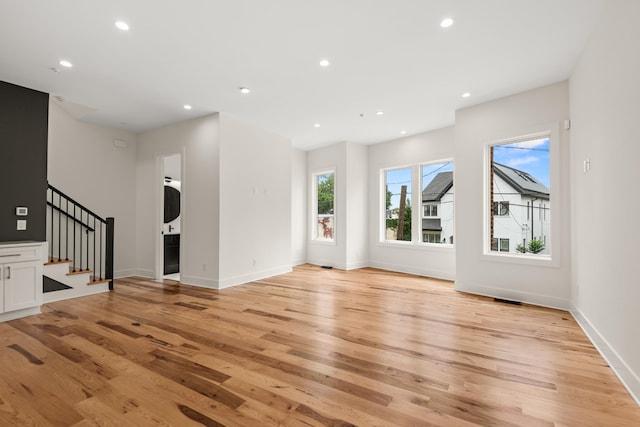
x,y
311,348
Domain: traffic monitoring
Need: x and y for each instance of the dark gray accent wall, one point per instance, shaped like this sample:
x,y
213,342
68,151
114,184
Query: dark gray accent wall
x,y
24,121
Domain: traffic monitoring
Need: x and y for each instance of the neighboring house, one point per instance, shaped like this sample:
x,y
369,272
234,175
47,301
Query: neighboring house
x,y
521,209
437,209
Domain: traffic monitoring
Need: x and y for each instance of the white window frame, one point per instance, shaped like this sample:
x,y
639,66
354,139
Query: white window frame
x,y
416,219
553,259
383,205
314,207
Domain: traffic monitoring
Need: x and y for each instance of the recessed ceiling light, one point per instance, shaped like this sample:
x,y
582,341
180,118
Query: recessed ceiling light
x,y
379,113
324,63
121,25
466,95
403,132
245,90
446,23
66,63
187,107
317,125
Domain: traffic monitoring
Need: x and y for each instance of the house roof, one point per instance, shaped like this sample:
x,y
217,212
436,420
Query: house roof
x,y
521,181
438,186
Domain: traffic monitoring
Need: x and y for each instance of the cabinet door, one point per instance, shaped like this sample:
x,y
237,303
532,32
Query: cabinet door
x,y
21,286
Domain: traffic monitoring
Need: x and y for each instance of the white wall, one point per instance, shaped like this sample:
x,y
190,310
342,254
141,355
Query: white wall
x,y
355,199
197,141
605,115
543,283
299,209
321,252
255,203
426,260
84,163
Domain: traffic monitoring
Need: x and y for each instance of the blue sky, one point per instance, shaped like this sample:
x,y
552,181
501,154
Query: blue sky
x,y
529,156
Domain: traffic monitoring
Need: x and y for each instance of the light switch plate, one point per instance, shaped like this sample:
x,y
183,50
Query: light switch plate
x,y
22,211
21,224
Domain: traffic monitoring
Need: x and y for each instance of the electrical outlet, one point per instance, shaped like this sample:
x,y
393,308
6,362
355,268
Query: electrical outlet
x,y
21,224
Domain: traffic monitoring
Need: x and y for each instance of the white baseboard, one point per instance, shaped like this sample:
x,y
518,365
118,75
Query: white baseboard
x,y
203,282
509,294
321,262
629,379
12,315
411,270
147,274
132,272
356,265
256,275
299,261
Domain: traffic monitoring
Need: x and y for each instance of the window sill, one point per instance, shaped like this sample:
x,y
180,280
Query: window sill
x,y
522,259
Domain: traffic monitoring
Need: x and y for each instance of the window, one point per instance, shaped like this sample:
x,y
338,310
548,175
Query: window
x,y
324,195
431,237
437,201
501,245
501,208
432,185
430,210
397,184
519,195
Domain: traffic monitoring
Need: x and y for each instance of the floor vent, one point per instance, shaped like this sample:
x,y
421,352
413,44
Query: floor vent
x,y
507,301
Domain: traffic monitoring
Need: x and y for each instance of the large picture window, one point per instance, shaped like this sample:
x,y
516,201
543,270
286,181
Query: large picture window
x,y
520,195
432,221
324,206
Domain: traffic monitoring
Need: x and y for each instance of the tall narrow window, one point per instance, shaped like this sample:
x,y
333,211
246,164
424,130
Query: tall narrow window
x,y
437,202
398,204
520,196
324,209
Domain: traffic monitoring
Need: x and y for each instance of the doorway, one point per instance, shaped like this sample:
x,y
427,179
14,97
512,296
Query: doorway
x,y
171,214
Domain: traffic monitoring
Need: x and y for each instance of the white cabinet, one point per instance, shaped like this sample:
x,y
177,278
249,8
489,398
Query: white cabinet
x,y
20,279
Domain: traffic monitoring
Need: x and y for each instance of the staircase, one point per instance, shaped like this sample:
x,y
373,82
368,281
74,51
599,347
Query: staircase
x,y
80,259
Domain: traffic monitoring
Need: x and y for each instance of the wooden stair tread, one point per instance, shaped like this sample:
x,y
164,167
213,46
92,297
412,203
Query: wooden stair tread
x,y
53,261
93,280
72,273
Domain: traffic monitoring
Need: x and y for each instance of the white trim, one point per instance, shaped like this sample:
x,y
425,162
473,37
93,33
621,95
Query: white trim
x,y
132,272
136,272
552,131
410,269
298,261
313,229
12,315
251,277
625,374
356,265
202,282
525,297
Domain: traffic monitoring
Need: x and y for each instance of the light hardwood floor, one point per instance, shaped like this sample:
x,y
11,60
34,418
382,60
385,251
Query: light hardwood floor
x,y
311,348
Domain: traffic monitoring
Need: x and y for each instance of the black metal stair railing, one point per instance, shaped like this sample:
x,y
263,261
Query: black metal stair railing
x,y
79,236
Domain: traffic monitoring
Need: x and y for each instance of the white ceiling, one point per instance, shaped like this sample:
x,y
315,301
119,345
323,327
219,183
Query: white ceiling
x,y
387,55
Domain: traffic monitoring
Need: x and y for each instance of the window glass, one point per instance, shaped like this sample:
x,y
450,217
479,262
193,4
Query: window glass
x,y
324,206
398,204
520,196
437,221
